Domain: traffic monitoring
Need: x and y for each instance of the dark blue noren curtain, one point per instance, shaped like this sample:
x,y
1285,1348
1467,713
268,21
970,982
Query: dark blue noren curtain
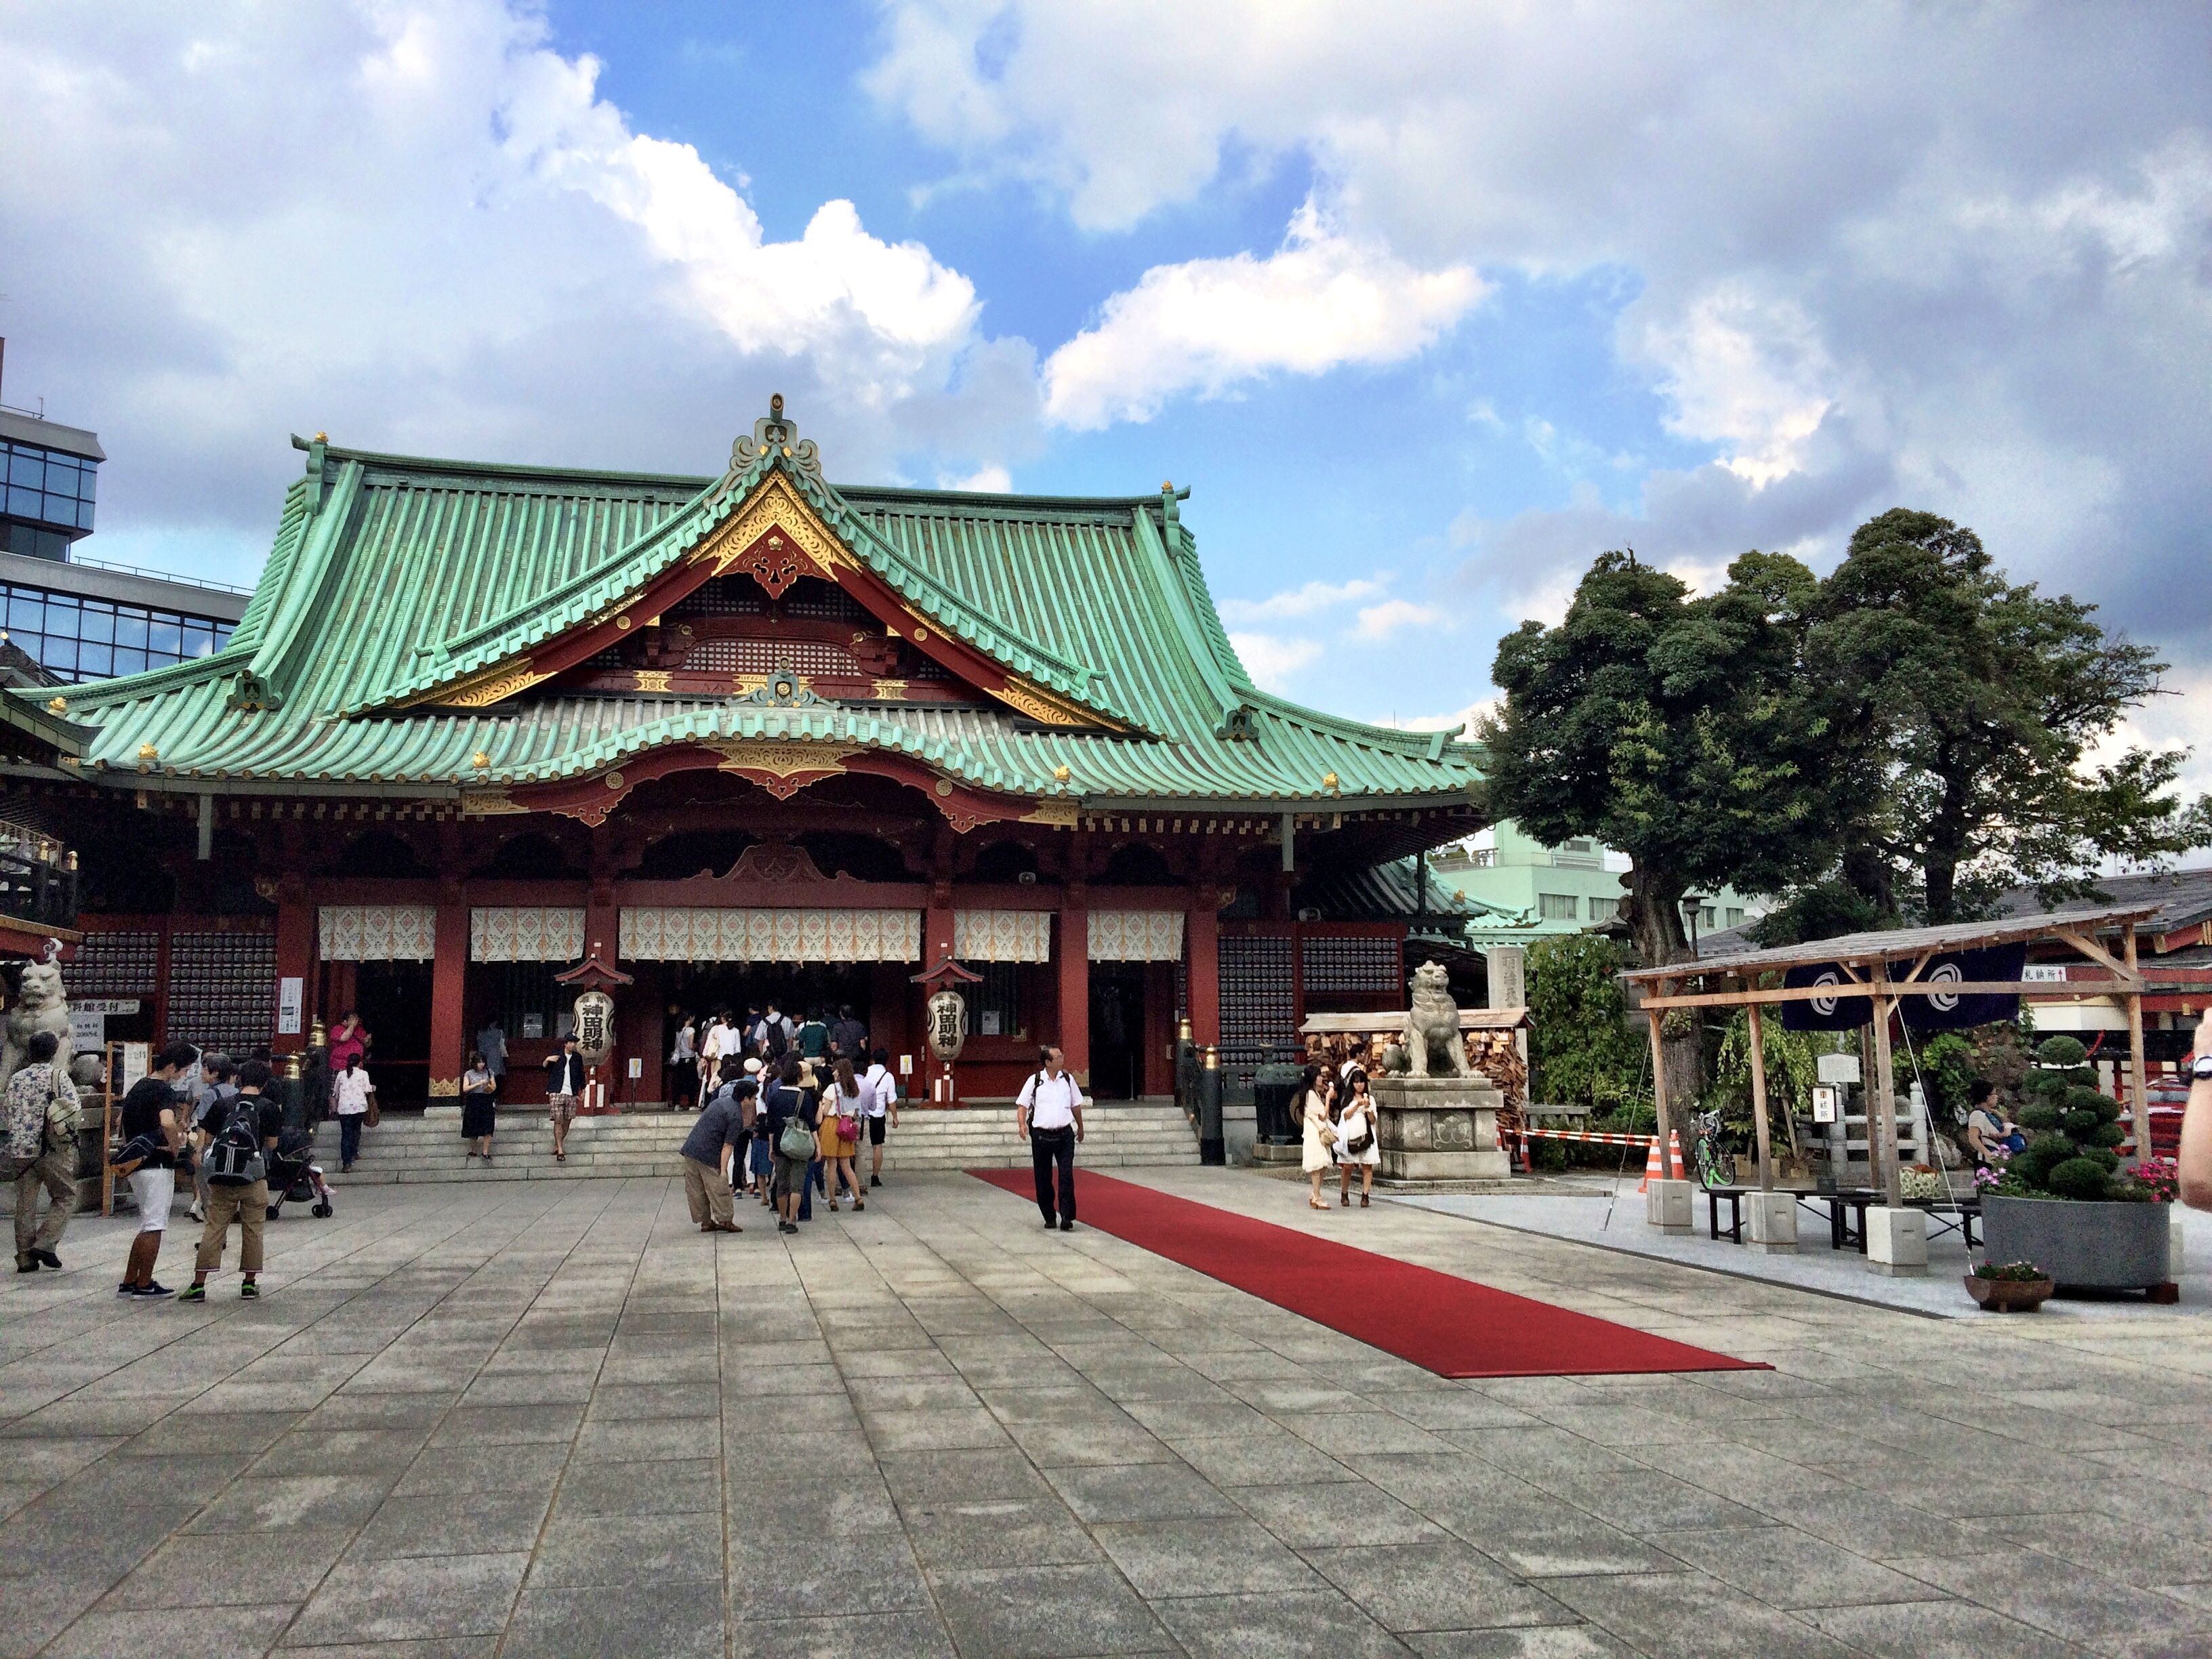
x,y
1943,1012
1937,1012
1838,1013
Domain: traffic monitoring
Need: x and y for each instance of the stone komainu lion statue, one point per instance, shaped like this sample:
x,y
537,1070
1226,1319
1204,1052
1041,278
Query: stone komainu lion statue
x,y
39,1006
1432,1039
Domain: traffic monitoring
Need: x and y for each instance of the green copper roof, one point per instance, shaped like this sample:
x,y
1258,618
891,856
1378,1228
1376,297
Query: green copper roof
x,y
391,577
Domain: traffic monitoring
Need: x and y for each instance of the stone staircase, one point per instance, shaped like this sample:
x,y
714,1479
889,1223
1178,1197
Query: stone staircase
x,y
406,1147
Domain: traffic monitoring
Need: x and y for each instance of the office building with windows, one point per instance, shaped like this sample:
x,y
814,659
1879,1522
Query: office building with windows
x,y
80,618
1529,890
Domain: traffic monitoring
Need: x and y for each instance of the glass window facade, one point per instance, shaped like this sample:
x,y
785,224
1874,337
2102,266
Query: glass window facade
x,y
1557,907
88,639
46,489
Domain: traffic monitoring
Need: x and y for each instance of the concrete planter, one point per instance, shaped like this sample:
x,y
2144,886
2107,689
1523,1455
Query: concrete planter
x,y
2101,1247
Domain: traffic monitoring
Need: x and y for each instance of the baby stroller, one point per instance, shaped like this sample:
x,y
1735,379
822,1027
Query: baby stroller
x,y
295,1175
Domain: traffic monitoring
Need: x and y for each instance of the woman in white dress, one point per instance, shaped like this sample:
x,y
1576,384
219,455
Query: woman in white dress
x,y
1314,1088
1356,1124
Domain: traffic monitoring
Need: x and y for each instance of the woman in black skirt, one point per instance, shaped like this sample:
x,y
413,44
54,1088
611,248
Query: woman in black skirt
x,y
479,1096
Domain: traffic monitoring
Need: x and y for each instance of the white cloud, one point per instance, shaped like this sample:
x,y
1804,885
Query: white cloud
x,y
1321,301
1378,623
1315,598
1982,292
419,227
1271,659
991,480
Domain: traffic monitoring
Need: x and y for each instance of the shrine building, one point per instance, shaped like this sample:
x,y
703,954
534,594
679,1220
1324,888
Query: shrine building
x,y
752,737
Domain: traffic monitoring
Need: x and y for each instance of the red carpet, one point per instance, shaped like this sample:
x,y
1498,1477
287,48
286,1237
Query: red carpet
x,y
1447,1325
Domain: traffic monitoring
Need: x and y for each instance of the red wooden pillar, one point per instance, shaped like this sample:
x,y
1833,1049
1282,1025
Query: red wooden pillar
x,y
1202,950
936,947
1074,947
449,975
296,959
602,940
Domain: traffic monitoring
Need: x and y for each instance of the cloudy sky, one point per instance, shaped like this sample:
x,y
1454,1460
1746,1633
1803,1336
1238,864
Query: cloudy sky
x,y
1429,303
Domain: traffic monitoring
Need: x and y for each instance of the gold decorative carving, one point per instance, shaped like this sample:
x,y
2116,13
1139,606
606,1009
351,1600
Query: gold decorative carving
x,y
1025,699
442,1088
782,760
810,546
890,689
1060,814
481,691
614,780
652,680
488,804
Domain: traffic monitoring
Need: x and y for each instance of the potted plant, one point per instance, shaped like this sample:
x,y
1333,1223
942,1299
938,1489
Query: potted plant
x,y
2064,1202
2013,1287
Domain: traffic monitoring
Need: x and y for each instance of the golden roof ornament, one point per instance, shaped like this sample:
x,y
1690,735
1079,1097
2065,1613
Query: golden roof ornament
x,y
1062,775
58,705
480,760
1328,781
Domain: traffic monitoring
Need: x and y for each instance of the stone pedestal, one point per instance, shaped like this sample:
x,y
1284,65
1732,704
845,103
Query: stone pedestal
x,y
1439,1128
1771,1223
1667,1206
1897,1242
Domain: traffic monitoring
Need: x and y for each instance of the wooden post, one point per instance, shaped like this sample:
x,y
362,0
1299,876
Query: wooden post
x,y
1879,1099
1651,1019
2138,1073
1758,1104
449,968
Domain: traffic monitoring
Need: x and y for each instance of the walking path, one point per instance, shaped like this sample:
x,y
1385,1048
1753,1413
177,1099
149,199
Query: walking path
x,y
552,1418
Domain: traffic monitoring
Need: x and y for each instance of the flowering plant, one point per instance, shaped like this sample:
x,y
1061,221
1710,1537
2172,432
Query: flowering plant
x,y
2017,1272
2159,1178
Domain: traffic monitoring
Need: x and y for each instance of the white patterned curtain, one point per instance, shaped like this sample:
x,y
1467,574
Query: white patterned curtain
x,y
1136,936
1002,935
526,933
377,932
674,932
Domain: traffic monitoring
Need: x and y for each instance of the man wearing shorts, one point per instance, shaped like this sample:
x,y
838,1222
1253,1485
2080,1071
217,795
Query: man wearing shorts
x,y
881,1088
149,1120
564,1081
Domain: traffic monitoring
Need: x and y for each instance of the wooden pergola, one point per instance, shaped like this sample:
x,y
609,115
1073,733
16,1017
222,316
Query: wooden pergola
x,y
1885,967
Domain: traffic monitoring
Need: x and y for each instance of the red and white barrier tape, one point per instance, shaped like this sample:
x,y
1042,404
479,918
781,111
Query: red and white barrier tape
x,y
1588,1134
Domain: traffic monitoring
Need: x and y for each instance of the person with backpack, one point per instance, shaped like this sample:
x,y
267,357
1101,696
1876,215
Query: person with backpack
x,y
218,1085
152,1138
241,1134
41,1114
813,1039
848,1038
1048,1115
791,1116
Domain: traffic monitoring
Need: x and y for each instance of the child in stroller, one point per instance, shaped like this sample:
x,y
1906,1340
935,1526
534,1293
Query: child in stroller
x,y
295,1175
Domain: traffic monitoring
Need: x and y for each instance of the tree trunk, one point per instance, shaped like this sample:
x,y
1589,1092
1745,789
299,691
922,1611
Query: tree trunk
x,y
1655,920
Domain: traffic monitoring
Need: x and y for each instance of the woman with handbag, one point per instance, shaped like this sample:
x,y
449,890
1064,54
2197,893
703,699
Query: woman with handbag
x,y
1320,1136
1356,1123
840,1136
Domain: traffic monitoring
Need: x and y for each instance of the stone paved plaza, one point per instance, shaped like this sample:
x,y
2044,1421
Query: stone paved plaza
x,y
552,1418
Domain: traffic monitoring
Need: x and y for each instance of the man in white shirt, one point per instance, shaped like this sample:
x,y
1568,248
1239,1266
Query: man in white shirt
x,y
880,1089
1048,1115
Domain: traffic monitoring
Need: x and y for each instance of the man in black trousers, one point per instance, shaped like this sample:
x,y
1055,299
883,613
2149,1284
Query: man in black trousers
x,y
1048,1115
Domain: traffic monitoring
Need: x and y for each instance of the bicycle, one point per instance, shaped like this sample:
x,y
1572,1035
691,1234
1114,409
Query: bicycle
x,y
1715,1166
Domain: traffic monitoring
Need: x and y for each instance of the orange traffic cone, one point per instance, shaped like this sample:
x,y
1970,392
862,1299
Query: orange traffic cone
x,y
1674,1151
1653,1170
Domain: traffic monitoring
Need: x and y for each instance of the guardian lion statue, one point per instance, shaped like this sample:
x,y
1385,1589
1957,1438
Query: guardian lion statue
x,y
1432,1039
39,1005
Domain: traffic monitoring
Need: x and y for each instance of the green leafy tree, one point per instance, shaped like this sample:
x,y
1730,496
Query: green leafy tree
x,y
1581,1049
1792,1067
1676,728
1961,708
